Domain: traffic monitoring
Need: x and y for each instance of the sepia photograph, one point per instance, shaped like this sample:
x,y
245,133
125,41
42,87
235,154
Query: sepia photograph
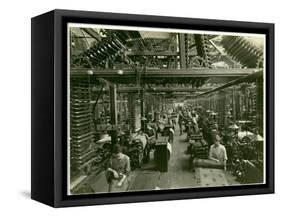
x,y
153,109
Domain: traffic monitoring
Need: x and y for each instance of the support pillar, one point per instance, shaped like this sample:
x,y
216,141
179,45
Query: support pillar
x,y
113,111
233,105
134,111
259,104
183,48
142,107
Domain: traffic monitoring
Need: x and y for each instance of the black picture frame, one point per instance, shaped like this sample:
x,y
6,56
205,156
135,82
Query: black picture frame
x,y
49,106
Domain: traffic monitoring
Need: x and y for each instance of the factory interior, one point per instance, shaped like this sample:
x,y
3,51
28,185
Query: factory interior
x,y
155,110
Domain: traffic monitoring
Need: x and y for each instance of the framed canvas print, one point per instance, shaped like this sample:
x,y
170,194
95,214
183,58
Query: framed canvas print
x,y
134,108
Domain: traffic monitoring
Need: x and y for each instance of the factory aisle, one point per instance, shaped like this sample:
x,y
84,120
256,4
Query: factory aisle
x,y
178,175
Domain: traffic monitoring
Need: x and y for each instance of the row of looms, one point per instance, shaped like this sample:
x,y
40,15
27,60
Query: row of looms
x,y
121,81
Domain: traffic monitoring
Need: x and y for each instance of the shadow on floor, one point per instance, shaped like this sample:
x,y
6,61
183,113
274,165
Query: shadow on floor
x,y
185,163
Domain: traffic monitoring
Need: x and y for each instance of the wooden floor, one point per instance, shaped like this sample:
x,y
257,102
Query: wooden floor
x,y
147,178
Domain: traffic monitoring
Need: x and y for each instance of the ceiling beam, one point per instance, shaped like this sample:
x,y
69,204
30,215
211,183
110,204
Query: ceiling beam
x,y
156,90
248,78
151,53
163,73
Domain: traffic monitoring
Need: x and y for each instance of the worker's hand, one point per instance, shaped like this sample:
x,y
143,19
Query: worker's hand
x,y
119,184
115,174
216,160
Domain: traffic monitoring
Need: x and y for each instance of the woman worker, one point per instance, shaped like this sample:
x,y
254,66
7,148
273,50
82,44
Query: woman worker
x,y
217,153
117,173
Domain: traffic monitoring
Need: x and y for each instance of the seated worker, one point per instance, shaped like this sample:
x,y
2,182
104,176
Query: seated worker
x,y
218,153
118,170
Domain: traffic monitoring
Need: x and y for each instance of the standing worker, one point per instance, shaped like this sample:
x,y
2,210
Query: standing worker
x,y
217,157
218,153
180,121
